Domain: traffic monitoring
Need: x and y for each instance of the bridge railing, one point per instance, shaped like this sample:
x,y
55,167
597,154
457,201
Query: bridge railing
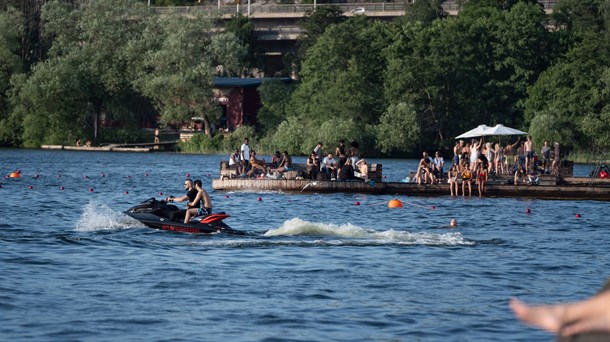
x,y
257,8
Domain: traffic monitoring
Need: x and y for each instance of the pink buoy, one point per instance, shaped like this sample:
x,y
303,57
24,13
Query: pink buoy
x,y
226,196
160,194
85,177
126,192
188,175
30,187
146,174
259,199
61,188
357,203
58,175
90,189
433,207
208,175
528,211
577,215
103,174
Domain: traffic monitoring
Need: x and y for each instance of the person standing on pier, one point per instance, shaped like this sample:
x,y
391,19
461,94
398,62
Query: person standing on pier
x,y
529,152
545,152
245,155
341,152
481,179
556,159
157,139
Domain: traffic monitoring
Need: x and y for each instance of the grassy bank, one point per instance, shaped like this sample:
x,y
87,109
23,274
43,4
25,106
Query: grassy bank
x,y
588,157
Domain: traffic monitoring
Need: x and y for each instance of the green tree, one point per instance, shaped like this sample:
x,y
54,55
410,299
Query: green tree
x,y
424,11
572,94
580,15
465,71
33,46
11,32
342,76
175,67
275,97
314,24
398,129
243,28
84,78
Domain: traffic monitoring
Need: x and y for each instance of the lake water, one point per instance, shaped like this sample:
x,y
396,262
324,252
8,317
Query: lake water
x,y
74,268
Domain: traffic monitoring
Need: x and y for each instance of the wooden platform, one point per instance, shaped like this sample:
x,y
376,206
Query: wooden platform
x,y
562,187
555,192
109,148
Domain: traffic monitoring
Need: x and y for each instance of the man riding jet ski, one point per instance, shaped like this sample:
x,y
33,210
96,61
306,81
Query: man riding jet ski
x,y
156,214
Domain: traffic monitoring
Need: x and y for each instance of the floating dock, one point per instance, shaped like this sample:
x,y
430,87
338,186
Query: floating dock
x,y
136,147
600,192
548,187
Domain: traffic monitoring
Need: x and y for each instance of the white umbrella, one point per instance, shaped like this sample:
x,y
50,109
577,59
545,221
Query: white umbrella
x,y
473,133
500,129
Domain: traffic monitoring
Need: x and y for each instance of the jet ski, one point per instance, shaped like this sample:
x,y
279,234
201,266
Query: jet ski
x,y
155,214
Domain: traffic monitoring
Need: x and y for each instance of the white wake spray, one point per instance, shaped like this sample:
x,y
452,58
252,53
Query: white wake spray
x,y
351,233
98,216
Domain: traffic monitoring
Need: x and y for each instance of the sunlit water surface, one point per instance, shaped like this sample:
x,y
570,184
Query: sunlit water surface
x,y
320,268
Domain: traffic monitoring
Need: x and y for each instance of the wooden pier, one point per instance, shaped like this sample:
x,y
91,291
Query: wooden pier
x,y
135,147
548,186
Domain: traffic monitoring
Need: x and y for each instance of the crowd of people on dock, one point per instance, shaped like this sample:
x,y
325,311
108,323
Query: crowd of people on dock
x,y
472,162
348,165
477,161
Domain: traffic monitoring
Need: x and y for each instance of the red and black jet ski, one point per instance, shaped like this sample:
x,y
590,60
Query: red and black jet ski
x,y
156,214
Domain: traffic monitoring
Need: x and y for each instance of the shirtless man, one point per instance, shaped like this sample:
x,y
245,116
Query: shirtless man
x,y
204,201
529,152
457,152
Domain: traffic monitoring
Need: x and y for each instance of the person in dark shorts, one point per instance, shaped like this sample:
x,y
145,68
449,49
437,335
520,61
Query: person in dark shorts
x,y
191,194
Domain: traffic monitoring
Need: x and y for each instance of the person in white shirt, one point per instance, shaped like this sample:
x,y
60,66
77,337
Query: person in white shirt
x,y
329,167
234,161
437,166
245,156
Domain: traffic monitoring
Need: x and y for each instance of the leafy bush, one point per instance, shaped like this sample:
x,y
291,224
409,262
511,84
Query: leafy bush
x,y
234,139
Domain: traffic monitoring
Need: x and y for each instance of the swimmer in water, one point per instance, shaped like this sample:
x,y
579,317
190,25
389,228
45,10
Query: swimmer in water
x,y
452,224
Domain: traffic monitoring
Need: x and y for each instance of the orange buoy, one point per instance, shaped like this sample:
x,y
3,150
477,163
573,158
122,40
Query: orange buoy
x,y
395,203
15,174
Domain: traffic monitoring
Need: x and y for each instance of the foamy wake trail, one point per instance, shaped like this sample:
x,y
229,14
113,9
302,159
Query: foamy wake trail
x,y
299,227
98,216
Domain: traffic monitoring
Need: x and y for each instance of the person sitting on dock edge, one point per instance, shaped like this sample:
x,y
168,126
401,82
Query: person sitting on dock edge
x,y
466,178
329,167
313,166
256,164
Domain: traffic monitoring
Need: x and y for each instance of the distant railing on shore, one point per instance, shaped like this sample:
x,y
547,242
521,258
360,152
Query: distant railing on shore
x,y
290,9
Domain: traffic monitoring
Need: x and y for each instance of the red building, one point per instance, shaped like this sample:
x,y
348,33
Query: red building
x,y
239,99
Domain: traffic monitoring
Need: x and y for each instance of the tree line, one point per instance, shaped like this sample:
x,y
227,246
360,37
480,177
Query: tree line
x,y
396,87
